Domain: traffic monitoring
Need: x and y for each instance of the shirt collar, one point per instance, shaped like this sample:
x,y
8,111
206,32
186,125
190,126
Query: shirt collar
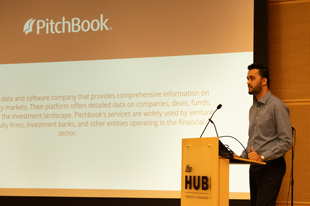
x,y
264,99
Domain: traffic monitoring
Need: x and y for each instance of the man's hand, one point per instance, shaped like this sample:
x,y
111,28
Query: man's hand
x,y
254,156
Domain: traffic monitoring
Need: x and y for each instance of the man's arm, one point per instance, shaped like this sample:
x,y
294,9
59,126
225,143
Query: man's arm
x,y
284,133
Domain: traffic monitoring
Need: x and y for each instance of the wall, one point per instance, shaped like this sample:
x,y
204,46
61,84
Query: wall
x,y
289,58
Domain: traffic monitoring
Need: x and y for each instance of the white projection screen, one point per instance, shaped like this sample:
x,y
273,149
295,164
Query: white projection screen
x,y
96,96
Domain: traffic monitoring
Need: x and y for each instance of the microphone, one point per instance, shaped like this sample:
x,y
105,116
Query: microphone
x,y
217,108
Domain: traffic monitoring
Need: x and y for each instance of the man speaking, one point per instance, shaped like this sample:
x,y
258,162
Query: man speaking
x,y
270,137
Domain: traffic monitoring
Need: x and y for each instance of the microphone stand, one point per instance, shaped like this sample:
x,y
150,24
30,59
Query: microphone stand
x,y
292,172
218,107
214,127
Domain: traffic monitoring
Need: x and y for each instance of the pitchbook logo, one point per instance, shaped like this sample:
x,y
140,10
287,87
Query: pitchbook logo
x,y
28,26
49,26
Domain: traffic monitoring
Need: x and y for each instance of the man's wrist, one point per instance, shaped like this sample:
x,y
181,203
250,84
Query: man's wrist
x,y
262,157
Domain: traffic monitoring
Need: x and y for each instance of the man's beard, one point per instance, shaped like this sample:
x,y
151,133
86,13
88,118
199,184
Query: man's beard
x,y
256,89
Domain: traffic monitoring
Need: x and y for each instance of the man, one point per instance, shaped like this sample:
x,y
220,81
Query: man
x,y
270,137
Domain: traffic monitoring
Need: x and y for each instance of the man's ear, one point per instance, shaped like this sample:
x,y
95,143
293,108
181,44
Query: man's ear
x,y
264,81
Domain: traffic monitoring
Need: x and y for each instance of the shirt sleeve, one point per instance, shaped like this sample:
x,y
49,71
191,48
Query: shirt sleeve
x,y
284,132
244,154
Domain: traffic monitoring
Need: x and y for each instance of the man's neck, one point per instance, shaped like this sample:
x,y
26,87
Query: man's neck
x,y
261,93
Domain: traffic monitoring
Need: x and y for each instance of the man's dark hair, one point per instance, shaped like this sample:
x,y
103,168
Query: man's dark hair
x,y
262,70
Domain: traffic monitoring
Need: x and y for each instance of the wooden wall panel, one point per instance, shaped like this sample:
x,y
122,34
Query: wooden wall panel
x,y
300,118
289,49
289,64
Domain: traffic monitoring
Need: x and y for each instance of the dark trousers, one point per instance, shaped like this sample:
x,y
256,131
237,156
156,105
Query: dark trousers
x,y
265,182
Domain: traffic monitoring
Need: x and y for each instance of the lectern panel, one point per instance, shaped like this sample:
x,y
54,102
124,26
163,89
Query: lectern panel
x,y
200,172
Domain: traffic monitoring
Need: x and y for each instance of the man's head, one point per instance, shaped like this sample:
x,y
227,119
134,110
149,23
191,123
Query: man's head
x,y
258,79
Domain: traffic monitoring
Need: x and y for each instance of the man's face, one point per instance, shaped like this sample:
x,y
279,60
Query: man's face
x,y
254,81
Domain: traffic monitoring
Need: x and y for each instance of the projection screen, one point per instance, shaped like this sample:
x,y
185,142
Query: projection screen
x,y
96,96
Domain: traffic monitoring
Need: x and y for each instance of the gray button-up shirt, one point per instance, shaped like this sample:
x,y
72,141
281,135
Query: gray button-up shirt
x,y
270,132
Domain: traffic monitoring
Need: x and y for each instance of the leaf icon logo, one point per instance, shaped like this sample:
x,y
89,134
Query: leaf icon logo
x,y
28,26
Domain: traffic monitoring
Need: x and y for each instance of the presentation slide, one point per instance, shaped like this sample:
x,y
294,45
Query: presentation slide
x,y
100,95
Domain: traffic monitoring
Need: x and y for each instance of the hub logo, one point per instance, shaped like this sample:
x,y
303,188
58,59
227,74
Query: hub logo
x,y
198,182
66,26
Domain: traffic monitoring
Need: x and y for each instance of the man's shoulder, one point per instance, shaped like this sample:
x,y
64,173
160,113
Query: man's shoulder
x,y
275,101
273,98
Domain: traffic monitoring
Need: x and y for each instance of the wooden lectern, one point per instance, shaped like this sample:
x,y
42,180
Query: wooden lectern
x,y
205,175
